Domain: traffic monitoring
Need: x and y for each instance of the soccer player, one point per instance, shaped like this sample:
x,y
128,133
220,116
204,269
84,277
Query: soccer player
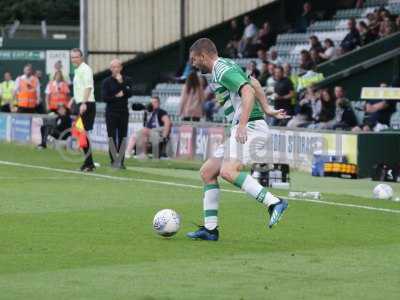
x,y
248,136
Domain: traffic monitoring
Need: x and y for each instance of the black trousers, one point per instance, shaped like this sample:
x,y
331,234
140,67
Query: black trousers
x,y
88,121
117,130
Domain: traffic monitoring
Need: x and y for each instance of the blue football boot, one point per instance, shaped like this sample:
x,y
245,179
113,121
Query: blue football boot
x,y
276,212
204,234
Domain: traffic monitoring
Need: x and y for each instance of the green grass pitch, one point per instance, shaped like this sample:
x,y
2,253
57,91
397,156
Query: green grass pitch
x,y
64,235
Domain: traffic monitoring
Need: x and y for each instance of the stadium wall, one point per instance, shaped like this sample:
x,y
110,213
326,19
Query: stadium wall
x,y
126,28
188,141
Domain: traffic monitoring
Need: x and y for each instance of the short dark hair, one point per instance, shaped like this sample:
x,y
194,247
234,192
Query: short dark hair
x,y
156,98
77,50
279,67
204,45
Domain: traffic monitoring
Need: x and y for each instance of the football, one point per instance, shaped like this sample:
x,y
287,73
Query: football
x,y
166,222
383,191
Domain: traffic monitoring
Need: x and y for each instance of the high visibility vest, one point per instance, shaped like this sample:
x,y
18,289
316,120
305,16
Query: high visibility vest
x,y
7,92
295,81
27,92
309,79
58,94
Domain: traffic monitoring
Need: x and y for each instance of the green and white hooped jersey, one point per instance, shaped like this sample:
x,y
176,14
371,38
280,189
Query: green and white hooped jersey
x,y
226,82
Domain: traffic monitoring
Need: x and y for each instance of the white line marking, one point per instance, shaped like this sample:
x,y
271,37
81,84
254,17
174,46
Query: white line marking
x,y
15,164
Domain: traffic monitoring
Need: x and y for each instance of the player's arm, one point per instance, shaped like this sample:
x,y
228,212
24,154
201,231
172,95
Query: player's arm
x,y
262,99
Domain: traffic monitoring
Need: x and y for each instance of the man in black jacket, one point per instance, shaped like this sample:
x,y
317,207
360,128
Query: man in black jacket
x,y
352,40
116,89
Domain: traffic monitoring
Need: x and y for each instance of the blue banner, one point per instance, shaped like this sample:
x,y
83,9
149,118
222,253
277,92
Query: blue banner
x,y
3,127
21,129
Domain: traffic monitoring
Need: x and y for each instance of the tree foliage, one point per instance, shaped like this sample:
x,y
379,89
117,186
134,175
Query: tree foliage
x,y
55,12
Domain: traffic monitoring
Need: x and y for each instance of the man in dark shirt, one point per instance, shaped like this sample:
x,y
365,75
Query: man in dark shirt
x,y
116,89
352,39
284,92
156,129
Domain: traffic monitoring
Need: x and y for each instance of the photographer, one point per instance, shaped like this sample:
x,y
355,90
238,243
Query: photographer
x,y
116,89
56,128
156,129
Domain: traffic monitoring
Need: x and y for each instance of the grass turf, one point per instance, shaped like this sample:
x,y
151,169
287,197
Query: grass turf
x,y
70,236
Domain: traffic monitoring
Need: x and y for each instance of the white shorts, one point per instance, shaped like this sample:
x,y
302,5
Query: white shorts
x,y
253,151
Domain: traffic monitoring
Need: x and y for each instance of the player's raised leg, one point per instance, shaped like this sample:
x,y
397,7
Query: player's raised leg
x,y
209,173
231,171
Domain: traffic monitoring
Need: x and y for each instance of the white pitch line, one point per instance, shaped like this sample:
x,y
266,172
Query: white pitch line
x,y
15,164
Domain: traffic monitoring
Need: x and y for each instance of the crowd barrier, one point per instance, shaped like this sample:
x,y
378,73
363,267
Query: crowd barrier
x,y
295,147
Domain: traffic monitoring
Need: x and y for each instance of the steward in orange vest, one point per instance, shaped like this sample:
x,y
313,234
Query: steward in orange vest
x,y
57,92
27,91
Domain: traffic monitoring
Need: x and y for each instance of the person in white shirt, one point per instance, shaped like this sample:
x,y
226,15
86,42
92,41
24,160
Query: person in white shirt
x,y
249,35
84,98
330,50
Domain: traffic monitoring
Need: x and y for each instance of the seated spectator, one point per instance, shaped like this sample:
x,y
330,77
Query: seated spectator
x,y
270,84
316,59
377,114
262,56
306,62
329,50
232,47
323,109
57,92
265,37
303,110
156,131
8,102
352,40
275,59
306,19
57,128
359,4
397,23
247,42
283,95
251,69
192,98
344,115
387,28
315,44
366,35
264,74
294,78
210,105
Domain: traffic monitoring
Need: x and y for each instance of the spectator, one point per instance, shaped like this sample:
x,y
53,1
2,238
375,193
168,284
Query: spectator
x,y
231,49
265,37
210,106
344,115
262,56
264,74
330,50
156,130
192,98
352,39
57,92
377,114
270,84
306,19
315,44
359,4
309,78
249,35
251,69
387,27
58,67
283,95
323,110
57,128
7,97
303,114
294,78
366,35
397,23
27,91
275,59
306,62
316,59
